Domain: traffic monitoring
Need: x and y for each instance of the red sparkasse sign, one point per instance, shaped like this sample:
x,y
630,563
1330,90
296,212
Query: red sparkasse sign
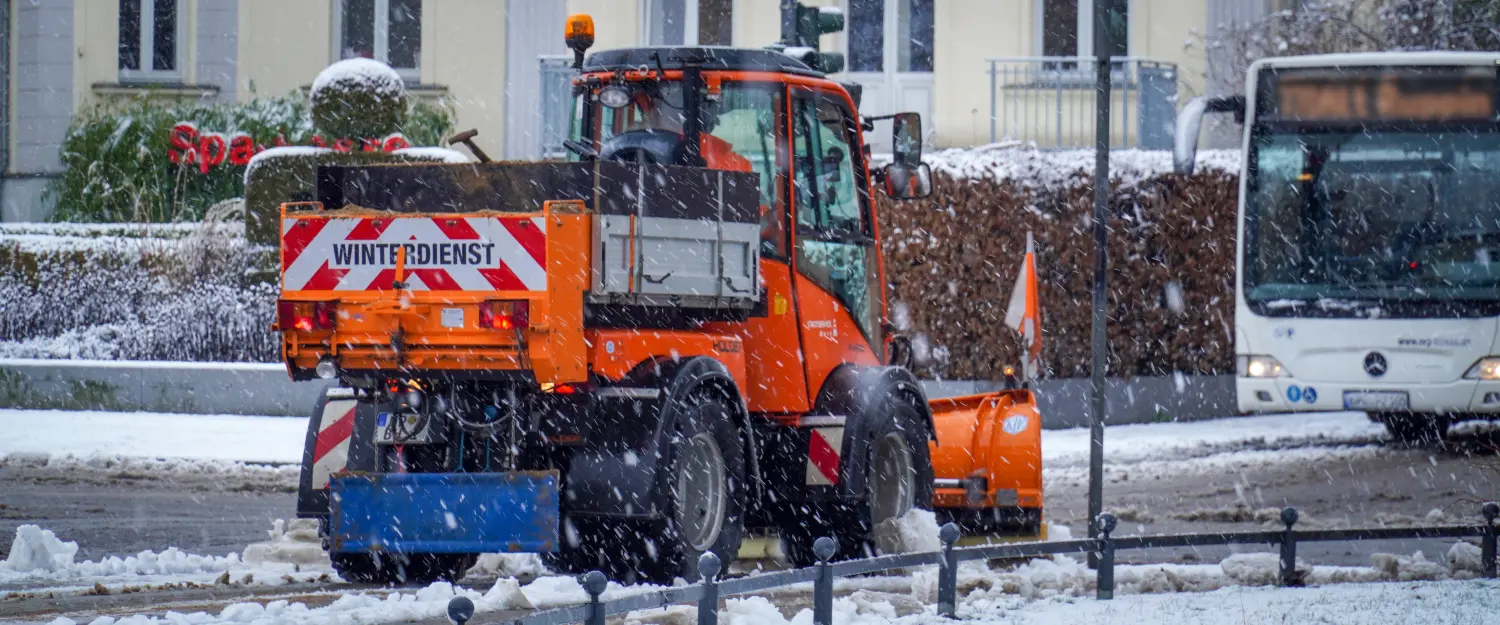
x,y
207,150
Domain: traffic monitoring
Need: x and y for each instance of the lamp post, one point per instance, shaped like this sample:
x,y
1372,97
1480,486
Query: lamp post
x,y
1101,265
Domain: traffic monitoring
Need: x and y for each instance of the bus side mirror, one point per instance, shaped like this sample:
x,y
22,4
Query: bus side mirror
x,y
906,138
907,182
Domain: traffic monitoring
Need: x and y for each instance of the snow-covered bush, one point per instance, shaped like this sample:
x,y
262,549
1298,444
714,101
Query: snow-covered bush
x,y
165,293
123,163
358,98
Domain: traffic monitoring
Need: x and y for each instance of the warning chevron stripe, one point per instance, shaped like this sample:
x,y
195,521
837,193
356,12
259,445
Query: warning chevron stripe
x,y
442,254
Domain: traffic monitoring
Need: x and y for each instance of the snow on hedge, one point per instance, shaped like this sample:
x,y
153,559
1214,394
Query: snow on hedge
x,y
1035,168
360,73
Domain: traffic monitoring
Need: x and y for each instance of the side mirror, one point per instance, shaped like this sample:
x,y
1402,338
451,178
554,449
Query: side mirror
x,y
908,182
906,138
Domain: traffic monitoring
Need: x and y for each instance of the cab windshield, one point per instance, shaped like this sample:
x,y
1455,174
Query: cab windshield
x,y
739,124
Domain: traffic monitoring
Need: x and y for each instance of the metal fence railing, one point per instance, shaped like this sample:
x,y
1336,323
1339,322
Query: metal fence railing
x,y
556,108
1050,101
707,592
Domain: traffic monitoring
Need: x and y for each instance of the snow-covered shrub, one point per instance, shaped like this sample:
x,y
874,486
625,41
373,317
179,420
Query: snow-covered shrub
x,y
182,296
358,98
118,163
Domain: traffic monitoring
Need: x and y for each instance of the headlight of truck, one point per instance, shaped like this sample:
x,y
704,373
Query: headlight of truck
x,y
1487,368
1259,367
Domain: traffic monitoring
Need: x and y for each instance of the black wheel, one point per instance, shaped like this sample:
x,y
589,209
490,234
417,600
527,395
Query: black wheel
x,y
1416,429
393,569
705,472
706,501
899,466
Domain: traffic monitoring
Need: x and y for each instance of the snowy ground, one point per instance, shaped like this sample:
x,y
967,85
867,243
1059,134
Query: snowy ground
x,y
216,478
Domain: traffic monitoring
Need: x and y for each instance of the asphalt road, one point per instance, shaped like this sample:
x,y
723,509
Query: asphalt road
x,y
1337,484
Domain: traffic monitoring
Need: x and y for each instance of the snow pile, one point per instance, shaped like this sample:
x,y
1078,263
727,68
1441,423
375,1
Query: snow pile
x,y
284,151
295,543
36,550
1375,604
435,154
916,531
37,554
183,473
106,441
426,603
509,565
1033,168
367,75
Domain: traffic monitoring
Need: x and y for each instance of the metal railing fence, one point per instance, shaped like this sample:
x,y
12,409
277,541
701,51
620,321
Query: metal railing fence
x,y
1050,101
706,593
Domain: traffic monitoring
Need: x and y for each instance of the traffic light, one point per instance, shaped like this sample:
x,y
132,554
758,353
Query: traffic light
x,y
802,27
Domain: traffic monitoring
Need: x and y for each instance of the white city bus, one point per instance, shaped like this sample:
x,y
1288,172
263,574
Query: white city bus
x,y
1368,265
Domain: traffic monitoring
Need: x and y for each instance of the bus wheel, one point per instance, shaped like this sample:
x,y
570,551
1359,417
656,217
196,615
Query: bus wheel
x,y
1416,429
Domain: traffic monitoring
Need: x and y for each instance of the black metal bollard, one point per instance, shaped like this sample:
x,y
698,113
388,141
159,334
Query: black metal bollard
x,y
460,610
1106,571
1487,540
708,606
948,573
1289,548
823,548
593,583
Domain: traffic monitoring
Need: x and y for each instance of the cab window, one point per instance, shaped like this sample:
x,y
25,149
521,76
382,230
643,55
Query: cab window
x,y
835,246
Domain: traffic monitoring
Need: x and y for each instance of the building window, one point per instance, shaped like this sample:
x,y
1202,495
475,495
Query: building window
x,y
150,40
689,22
1068,28
911,28
389,31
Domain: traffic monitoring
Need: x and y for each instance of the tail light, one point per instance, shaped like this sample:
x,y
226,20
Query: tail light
x,y
504,315
306,316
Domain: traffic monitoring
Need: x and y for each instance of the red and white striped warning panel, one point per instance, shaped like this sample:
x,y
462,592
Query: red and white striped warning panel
x,y
331,451
442,254
823,448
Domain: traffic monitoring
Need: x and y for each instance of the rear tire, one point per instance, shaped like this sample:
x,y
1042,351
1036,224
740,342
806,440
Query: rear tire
x,y
705,472
899,479
1416,429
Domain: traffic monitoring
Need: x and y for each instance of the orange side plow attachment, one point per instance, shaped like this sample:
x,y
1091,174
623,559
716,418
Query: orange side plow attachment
x,y
987,463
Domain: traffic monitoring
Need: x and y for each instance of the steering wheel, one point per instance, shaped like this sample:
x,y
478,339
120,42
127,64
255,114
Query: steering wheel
x,y
651,145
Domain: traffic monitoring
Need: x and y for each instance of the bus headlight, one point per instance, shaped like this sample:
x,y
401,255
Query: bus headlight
x,y
1259,367
1487,368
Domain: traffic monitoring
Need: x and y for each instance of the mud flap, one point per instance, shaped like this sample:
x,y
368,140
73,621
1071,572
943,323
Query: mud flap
x,y
339,438
444,512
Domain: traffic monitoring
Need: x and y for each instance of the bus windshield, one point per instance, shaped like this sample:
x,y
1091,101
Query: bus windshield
x,y
1360,220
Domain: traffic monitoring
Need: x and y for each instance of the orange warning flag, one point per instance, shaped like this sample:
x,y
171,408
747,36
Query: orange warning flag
x,y
1025,313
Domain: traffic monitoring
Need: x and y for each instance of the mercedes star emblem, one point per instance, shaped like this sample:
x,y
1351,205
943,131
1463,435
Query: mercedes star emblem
x,y
1375,364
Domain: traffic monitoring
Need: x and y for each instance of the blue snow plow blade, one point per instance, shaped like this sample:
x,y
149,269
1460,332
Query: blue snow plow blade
x,y
444,512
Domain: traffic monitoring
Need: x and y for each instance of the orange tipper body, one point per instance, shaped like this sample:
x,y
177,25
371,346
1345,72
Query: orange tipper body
x,y
454,264
680,331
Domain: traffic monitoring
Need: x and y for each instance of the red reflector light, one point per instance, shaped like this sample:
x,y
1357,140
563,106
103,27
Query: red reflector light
x,y
565,389
306,316
504,315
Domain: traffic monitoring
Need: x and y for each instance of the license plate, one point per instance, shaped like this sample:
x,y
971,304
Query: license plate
x,y
1377,400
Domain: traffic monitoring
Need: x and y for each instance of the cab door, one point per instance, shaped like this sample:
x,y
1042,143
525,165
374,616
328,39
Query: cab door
x,y
840,302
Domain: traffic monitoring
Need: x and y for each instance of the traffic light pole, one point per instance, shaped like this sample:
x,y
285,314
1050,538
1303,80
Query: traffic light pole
x,y
1101,267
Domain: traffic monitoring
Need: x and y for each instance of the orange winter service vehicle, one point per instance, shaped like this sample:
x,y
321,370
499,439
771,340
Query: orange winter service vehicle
x,y
672,340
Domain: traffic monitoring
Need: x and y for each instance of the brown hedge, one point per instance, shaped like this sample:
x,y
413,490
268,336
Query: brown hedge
x,y
952,260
